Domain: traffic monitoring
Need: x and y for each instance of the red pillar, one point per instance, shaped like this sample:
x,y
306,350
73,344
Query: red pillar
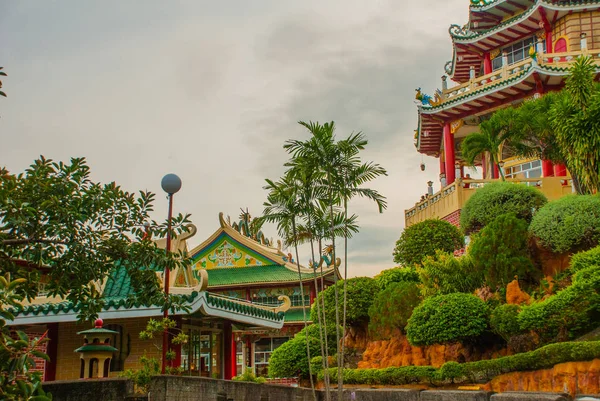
x,y
229,351
487,64
549,40
52,351
560,170
449,154
496,171
313,294
547,169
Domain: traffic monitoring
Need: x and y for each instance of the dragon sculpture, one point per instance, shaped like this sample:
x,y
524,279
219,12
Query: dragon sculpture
x,y
428,100
326,258
251,228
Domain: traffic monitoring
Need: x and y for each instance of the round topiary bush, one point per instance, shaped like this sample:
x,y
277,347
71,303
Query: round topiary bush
x,y
504,321
569,224
447,318
361,293
392,308
424,239
583,260
499,198
396,275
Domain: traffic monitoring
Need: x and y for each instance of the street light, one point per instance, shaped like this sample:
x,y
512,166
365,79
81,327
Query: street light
x,y
171,184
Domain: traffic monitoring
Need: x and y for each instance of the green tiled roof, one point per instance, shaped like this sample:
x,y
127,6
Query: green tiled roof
x,y
96,347
246,309
118,284
295,315
251,275
97,330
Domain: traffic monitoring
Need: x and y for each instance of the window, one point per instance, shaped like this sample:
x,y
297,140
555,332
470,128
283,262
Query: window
x,y
516,52
526,170
262,352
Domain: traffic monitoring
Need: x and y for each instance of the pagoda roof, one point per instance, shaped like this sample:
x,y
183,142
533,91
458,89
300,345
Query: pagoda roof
x,y
256,275
483,96
508,21
295,315
96,348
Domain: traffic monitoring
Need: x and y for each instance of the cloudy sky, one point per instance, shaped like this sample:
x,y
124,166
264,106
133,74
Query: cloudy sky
x,y
210,90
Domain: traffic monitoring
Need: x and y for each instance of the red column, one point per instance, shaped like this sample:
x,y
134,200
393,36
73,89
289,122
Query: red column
x,y
462,171
560,170
449,154
52,351
442,165
547,169
549,40
313,294
487,64
229,351
496,171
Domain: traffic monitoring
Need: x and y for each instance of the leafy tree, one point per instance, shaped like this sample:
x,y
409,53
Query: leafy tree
x,y
396,275
392,308
55,222
500,251
504,321
424,239
447,318
446,274
583,260
569,224
499,198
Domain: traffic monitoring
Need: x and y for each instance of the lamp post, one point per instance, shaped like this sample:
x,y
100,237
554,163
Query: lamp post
x,y
171,184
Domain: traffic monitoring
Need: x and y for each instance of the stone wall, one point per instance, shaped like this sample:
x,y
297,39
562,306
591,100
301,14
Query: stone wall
x,y
572,25
89,390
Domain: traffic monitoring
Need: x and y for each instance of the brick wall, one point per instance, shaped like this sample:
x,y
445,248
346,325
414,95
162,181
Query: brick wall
x,y
453,218
68,361
571,26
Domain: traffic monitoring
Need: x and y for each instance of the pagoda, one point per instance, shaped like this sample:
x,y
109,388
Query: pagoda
x,y
509,51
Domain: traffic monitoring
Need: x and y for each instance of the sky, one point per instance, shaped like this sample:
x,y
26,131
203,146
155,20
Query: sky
x,y
210,90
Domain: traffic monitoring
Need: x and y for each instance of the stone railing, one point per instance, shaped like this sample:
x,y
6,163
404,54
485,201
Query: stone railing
x,y
453,197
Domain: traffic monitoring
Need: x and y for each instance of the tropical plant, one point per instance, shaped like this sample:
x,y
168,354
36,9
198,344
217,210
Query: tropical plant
x,y
586,259
500,251
499,198
248,376
143,376
447,318
569,224
396,275
392,308
426,238
504,321
445,274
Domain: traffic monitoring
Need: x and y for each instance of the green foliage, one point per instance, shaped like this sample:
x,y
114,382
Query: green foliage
x,y
569,313
424,239
569,224
504,321
361,293
479,372
500,251
499,198
141,377
396,275
446,274
586,259
447,318
290,359
248,376
392,308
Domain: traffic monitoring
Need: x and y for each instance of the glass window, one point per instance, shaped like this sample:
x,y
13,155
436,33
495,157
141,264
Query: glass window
x,y
516,52
262,353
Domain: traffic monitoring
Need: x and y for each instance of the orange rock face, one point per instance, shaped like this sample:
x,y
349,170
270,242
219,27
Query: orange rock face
x,y
514,294
571,377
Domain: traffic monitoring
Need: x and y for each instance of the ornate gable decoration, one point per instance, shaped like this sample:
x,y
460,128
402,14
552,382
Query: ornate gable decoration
x,y
225,252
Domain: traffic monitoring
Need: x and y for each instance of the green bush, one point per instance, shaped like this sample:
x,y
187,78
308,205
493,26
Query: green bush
x,y
481,371
447,318
499,198
392,308
500,251
586,259
361,293
396,275
446,274
568,314
504,321
569,224
290,359
424,239
248,376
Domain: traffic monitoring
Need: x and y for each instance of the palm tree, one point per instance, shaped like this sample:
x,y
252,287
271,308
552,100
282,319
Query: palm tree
x,y
282,207
492,135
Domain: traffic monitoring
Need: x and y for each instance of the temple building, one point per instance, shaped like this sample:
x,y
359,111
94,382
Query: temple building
x,y
244,301
509,51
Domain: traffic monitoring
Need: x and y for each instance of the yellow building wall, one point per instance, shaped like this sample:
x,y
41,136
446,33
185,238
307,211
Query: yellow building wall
x,y
68,361
571,26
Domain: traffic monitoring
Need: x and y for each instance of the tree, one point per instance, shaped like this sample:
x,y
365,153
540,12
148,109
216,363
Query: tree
x,y
396,275
425,239
392,308
500,251
445,274
55,222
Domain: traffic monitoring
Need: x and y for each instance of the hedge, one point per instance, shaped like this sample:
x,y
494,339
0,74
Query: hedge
x,y
396,275
392,308
480,371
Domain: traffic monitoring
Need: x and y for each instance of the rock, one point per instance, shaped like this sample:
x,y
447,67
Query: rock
x,y
519,396
514,294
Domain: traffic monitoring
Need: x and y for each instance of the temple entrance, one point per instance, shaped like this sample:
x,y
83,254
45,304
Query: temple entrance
x,y
203,354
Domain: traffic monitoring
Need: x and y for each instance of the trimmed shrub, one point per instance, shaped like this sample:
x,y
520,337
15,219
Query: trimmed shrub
x,y
446,274
396,275
499,198
568,314
504,321
569,224
481,371
447,318
424,239
500,251
392,308
583,260
361,293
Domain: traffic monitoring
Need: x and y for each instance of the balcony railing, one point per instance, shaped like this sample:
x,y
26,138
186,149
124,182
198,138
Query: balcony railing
x,y
453,197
